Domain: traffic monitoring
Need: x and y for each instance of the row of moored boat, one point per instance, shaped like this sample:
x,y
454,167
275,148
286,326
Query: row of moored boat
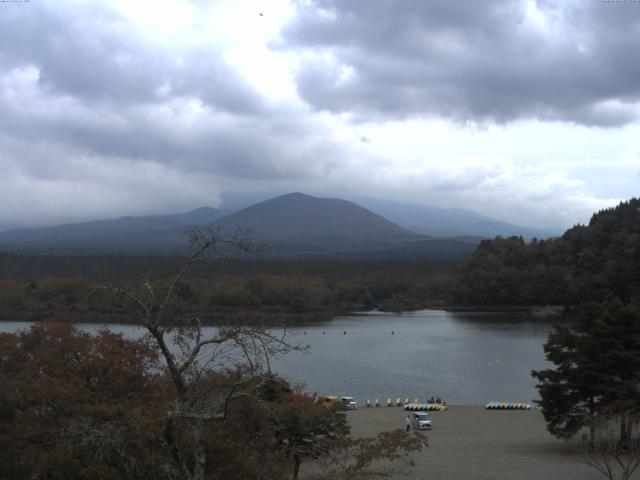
x,y
508,406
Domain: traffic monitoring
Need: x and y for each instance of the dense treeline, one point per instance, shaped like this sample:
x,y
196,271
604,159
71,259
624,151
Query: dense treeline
x,y
593,383
118,267
33,287
588,263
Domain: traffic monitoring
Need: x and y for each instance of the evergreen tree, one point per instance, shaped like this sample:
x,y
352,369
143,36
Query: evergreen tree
x,y
617,331
570,394
597,371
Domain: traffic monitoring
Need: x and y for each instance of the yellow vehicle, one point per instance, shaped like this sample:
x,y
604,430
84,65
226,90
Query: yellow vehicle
x,y
328,401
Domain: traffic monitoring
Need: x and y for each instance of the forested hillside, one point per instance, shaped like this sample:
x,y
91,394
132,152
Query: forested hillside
x,y
588,263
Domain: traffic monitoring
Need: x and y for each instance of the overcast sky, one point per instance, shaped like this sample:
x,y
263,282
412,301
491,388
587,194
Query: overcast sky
x,y
528,111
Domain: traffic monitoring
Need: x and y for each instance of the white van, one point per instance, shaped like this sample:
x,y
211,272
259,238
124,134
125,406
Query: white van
x,y
349,402
421,421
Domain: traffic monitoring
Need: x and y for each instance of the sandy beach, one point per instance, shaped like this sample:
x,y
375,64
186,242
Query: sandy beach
x,y
469,442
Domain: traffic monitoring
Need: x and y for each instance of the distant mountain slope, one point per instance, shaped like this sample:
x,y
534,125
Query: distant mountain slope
x,y
423,219
455,222
303,226
297,215
291,226
154,229
12,226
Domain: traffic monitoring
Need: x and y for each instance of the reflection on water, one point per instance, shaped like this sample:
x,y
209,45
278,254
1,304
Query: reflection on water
x,y
465,358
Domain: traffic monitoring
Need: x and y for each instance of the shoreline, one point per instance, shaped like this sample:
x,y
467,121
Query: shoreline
x,y
289,318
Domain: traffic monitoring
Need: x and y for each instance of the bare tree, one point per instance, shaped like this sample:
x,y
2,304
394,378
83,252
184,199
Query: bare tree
x,y
614,456
194,355
388,455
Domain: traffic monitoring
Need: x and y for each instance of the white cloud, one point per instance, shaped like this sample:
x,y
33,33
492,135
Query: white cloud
x,y
113,108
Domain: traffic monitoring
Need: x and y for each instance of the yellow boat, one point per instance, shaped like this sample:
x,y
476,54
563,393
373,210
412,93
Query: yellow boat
x,y
431,407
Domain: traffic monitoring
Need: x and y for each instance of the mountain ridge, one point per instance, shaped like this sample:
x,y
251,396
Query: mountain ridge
x,y
298,215
290,225
452,222
99,230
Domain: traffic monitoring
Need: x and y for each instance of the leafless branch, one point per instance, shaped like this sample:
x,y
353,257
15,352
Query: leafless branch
x,y
199,395
610,455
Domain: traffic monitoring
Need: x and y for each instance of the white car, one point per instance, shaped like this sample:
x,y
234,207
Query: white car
x,y
421,421
349,402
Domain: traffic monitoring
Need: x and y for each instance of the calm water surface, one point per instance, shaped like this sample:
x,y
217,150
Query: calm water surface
x,y
465,358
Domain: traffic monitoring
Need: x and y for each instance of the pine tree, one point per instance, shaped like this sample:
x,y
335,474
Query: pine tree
x,y
570,397
597,371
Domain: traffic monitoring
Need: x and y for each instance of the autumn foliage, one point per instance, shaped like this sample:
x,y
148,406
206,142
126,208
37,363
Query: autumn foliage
x,y
81,406
74,405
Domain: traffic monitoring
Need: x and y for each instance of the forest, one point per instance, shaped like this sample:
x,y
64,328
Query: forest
x,y
587,263
40,287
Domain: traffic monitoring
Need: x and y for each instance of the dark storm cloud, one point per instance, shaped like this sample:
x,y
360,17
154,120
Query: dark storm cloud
x,y
105,114
480,60
249,148
83,77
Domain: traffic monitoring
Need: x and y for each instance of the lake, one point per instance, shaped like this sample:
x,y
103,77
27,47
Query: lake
x,y
465,358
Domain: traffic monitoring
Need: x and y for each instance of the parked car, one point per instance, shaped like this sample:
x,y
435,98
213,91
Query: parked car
x,y
421,421
349,402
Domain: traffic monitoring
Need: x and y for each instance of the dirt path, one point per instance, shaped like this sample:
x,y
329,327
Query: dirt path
x,y
471,443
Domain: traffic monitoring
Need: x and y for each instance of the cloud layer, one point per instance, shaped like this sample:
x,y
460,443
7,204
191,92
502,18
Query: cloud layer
x,y
478,61
115,108
82,85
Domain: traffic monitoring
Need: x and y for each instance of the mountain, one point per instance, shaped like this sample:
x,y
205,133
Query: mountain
x,y
422,219
299,225
297,215
13,226
455,222
291,225
120,234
